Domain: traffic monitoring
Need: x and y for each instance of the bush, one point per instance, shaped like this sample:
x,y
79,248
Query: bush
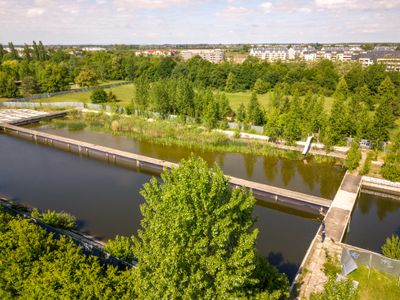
x,y
58,219
353,157
367,164
121,247
391,248
98,96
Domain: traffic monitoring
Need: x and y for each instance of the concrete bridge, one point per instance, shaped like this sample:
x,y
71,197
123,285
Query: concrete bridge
x,y
261,192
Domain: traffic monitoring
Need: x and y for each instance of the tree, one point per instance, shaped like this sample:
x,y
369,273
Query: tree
x,y
261,86
184,99
391,248
8,87
292,126
353,157
13,51
98,96
224,109
255,114
142,87
391,168
231,83
86,78
197,238
241,113
53,78
2,52
121,247
211,114
29,86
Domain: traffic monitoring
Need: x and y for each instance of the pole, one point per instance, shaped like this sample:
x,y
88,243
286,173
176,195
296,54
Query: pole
x,y
370,261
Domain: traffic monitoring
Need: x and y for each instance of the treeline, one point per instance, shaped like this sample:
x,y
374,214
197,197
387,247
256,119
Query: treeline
x,y
41,69
288,117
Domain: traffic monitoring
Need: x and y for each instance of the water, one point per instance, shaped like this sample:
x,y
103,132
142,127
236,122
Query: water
x,y
105,198
374,219
308,176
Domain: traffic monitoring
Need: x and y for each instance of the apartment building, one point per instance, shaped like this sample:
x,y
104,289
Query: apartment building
x,y
270,54
212,55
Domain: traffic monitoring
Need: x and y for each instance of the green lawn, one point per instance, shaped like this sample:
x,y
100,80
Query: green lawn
x,y
124,94
377,286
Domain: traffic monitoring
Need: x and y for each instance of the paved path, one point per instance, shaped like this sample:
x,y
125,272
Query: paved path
x,y
336,223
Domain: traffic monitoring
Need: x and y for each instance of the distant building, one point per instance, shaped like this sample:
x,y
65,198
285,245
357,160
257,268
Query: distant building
x,y
93,49
390,58
212,55
157,52
310,56
270,54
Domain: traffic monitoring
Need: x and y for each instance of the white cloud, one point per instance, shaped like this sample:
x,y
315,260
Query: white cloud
x,y
357,4
149,4
35,12
266,7
234,11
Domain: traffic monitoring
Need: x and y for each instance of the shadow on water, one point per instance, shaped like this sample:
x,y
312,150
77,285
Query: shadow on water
x,y
277,259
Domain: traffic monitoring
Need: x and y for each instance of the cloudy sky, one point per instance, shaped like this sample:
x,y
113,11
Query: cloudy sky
x,y
198,21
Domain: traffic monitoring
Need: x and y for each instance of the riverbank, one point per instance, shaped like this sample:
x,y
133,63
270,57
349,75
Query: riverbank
x,y
175,133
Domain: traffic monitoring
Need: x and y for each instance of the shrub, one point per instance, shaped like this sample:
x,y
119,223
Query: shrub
x,y
121,247
58,219
391,248
367,163
98,96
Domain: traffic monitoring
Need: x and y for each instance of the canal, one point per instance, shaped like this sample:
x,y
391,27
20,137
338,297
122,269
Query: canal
x,y
305,176
373,220
105,198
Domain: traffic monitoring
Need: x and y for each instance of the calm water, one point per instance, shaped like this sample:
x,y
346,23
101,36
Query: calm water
x,y
374,219
105,198
319,179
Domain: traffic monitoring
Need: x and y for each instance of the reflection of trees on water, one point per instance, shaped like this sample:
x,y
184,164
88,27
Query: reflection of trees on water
x,y
364,203
383,205
221,158
287,171
249,161
329,179
308,172
270,167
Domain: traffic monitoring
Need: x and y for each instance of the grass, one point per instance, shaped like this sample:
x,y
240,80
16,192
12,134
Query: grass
x,y
124,94
378,286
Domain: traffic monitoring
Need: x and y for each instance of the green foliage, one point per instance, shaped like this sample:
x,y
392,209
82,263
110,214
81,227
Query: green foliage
x,y
98,96
391,248
8,87
121,247
34,265
335,290
53,78
255,113
353,156
261,86
29,86
231,83
111,97
197,238
58,219
241,113
142,87
391,168
86,78
367,164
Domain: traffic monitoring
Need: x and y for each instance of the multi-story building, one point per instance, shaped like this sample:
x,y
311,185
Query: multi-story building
x,y
212,55
310,55
390,58
270,54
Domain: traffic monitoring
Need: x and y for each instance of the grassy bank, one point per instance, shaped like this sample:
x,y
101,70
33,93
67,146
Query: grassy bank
x,y
378,286
174,133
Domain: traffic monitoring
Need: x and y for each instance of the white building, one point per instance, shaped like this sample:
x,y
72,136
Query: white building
x,y
310,56
270,54
212,55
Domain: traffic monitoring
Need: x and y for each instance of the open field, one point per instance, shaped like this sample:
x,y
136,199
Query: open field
x,y
377,286
124,94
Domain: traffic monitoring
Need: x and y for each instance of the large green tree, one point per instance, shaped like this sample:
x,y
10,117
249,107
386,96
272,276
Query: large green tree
x,y
255,113
198,239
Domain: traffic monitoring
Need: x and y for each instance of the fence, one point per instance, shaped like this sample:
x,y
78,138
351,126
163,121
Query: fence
x,y
381,181
48,95
353,256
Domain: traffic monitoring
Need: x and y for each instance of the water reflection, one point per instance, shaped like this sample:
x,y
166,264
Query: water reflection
x,y
319,179
374,219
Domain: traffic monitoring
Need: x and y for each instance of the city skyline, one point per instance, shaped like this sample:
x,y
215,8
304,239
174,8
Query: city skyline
x,y
194,21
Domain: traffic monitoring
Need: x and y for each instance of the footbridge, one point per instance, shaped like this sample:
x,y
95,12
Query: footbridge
x,y
261,192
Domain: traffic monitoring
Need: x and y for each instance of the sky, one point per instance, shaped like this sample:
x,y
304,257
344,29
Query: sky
x,y
198,21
